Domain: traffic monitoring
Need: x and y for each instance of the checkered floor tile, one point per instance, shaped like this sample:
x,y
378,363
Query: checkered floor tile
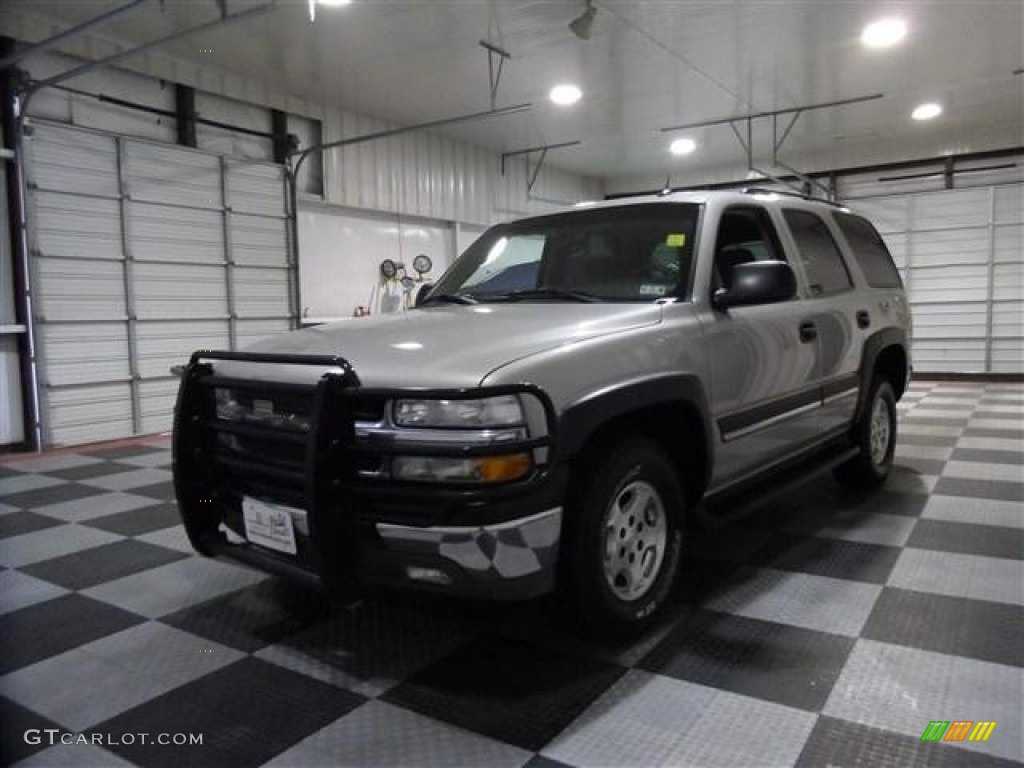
x,y
829,628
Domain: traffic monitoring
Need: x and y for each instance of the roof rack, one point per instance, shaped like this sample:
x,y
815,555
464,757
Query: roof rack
x,y
789,193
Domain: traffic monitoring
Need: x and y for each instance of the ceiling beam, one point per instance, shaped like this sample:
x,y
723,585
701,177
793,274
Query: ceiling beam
x,y
543,149
772,113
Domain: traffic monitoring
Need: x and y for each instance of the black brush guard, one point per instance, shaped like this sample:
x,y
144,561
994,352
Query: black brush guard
x,y
210,481
207,480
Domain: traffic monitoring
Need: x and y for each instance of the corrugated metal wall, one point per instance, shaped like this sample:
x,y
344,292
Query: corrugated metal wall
x,y
143,253
423,174
961,254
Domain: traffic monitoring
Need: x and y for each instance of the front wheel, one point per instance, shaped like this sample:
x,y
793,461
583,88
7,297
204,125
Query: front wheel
x,y
627,537
875,435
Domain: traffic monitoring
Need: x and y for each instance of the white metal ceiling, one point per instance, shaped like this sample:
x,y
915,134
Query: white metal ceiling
x,y
649,64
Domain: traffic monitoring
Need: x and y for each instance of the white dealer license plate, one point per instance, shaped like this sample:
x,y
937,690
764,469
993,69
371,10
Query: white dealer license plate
x,y
269,525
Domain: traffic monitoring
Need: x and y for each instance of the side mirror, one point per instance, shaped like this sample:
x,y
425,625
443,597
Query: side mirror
x,y
757,282
421,293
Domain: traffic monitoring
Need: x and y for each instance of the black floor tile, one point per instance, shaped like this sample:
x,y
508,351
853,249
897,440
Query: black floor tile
x,y
25,521
852,560
699,580
107,562
19,730
126,452
45,629
968,539
1009,433
920,466
1010,416
980,489
842,744
539,761
253,618
976,628
90,471
933,421
9,471
508,690
987,456
1001,399
55,494
785,664
163,491
136,522
892,503
247,712
738,544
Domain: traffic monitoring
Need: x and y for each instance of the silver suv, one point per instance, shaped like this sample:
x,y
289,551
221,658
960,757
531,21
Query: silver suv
x,y
574,390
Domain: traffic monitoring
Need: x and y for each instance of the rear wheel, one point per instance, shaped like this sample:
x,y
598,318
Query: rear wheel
x,y
875,435
627,536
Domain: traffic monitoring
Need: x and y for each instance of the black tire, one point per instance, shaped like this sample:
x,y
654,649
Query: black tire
x,y
871,465
633,475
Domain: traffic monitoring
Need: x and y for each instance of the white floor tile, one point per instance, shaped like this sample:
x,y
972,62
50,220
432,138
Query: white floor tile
x,y
801,599
19,590
977,470
902,689
964,509
379,734
956,575
168,588
46,544
650,720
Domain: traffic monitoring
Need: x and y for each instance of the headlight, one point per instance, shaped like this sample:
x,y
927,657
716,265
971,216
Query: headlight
x,y
477,470
499,411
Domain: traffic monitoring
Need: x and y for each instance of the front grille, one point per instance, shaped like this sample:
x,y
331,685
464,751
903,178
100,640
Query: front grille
x,y
279,410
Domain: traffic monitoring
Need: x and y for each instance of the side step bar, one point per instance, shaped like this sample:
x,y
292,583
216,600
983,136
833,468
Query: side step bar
x,y
733,505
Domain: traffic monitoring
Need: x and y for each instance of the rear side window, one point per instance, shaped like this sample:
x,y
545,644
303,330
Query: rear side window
x,y
826,271
869,250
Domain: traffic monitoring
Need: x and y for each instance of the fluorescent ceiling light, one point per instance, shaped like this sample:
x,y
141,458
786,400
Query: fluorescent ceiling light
x,y
883,33
926,111
334,2
682,146
565,94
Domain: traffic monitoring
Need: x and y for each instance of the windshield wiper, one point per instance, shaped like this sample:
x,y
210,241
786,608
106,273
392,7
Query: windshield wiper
x,y
450,298
545,293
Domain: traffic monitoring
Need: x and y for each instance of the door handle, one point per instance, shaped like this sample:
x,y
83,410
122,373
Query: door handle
x,y
808,332
863,318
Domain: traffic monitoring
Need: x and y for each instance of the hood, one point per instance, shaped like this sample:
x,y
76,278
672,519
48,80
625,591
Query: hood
x,y
453,346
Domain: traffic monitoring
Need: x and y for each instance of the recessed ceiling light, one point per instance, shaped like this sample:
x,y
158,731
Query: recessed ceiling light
x,y
883,33
565,94
682,146
330,3
926,111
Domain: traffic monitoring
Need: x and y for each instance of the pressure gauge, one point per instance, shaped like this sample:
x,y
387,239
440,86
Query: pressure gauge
x,y
422,264
388,269
408,283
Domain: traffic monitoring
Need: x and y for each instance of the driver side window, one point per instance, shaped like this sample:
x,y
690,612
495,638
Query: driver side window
x,y
745,234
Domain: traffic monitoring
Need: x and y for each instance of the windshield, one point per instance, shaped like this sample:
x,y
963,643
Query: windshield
x,y
630,253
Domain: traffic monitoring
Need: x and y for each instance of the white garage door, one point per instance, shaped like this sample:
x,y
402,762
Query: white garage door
x,y
961,254
143,253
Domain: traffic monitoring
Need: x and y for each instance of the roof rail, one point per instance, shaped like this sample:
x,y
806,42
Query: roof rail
x,y
789,193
